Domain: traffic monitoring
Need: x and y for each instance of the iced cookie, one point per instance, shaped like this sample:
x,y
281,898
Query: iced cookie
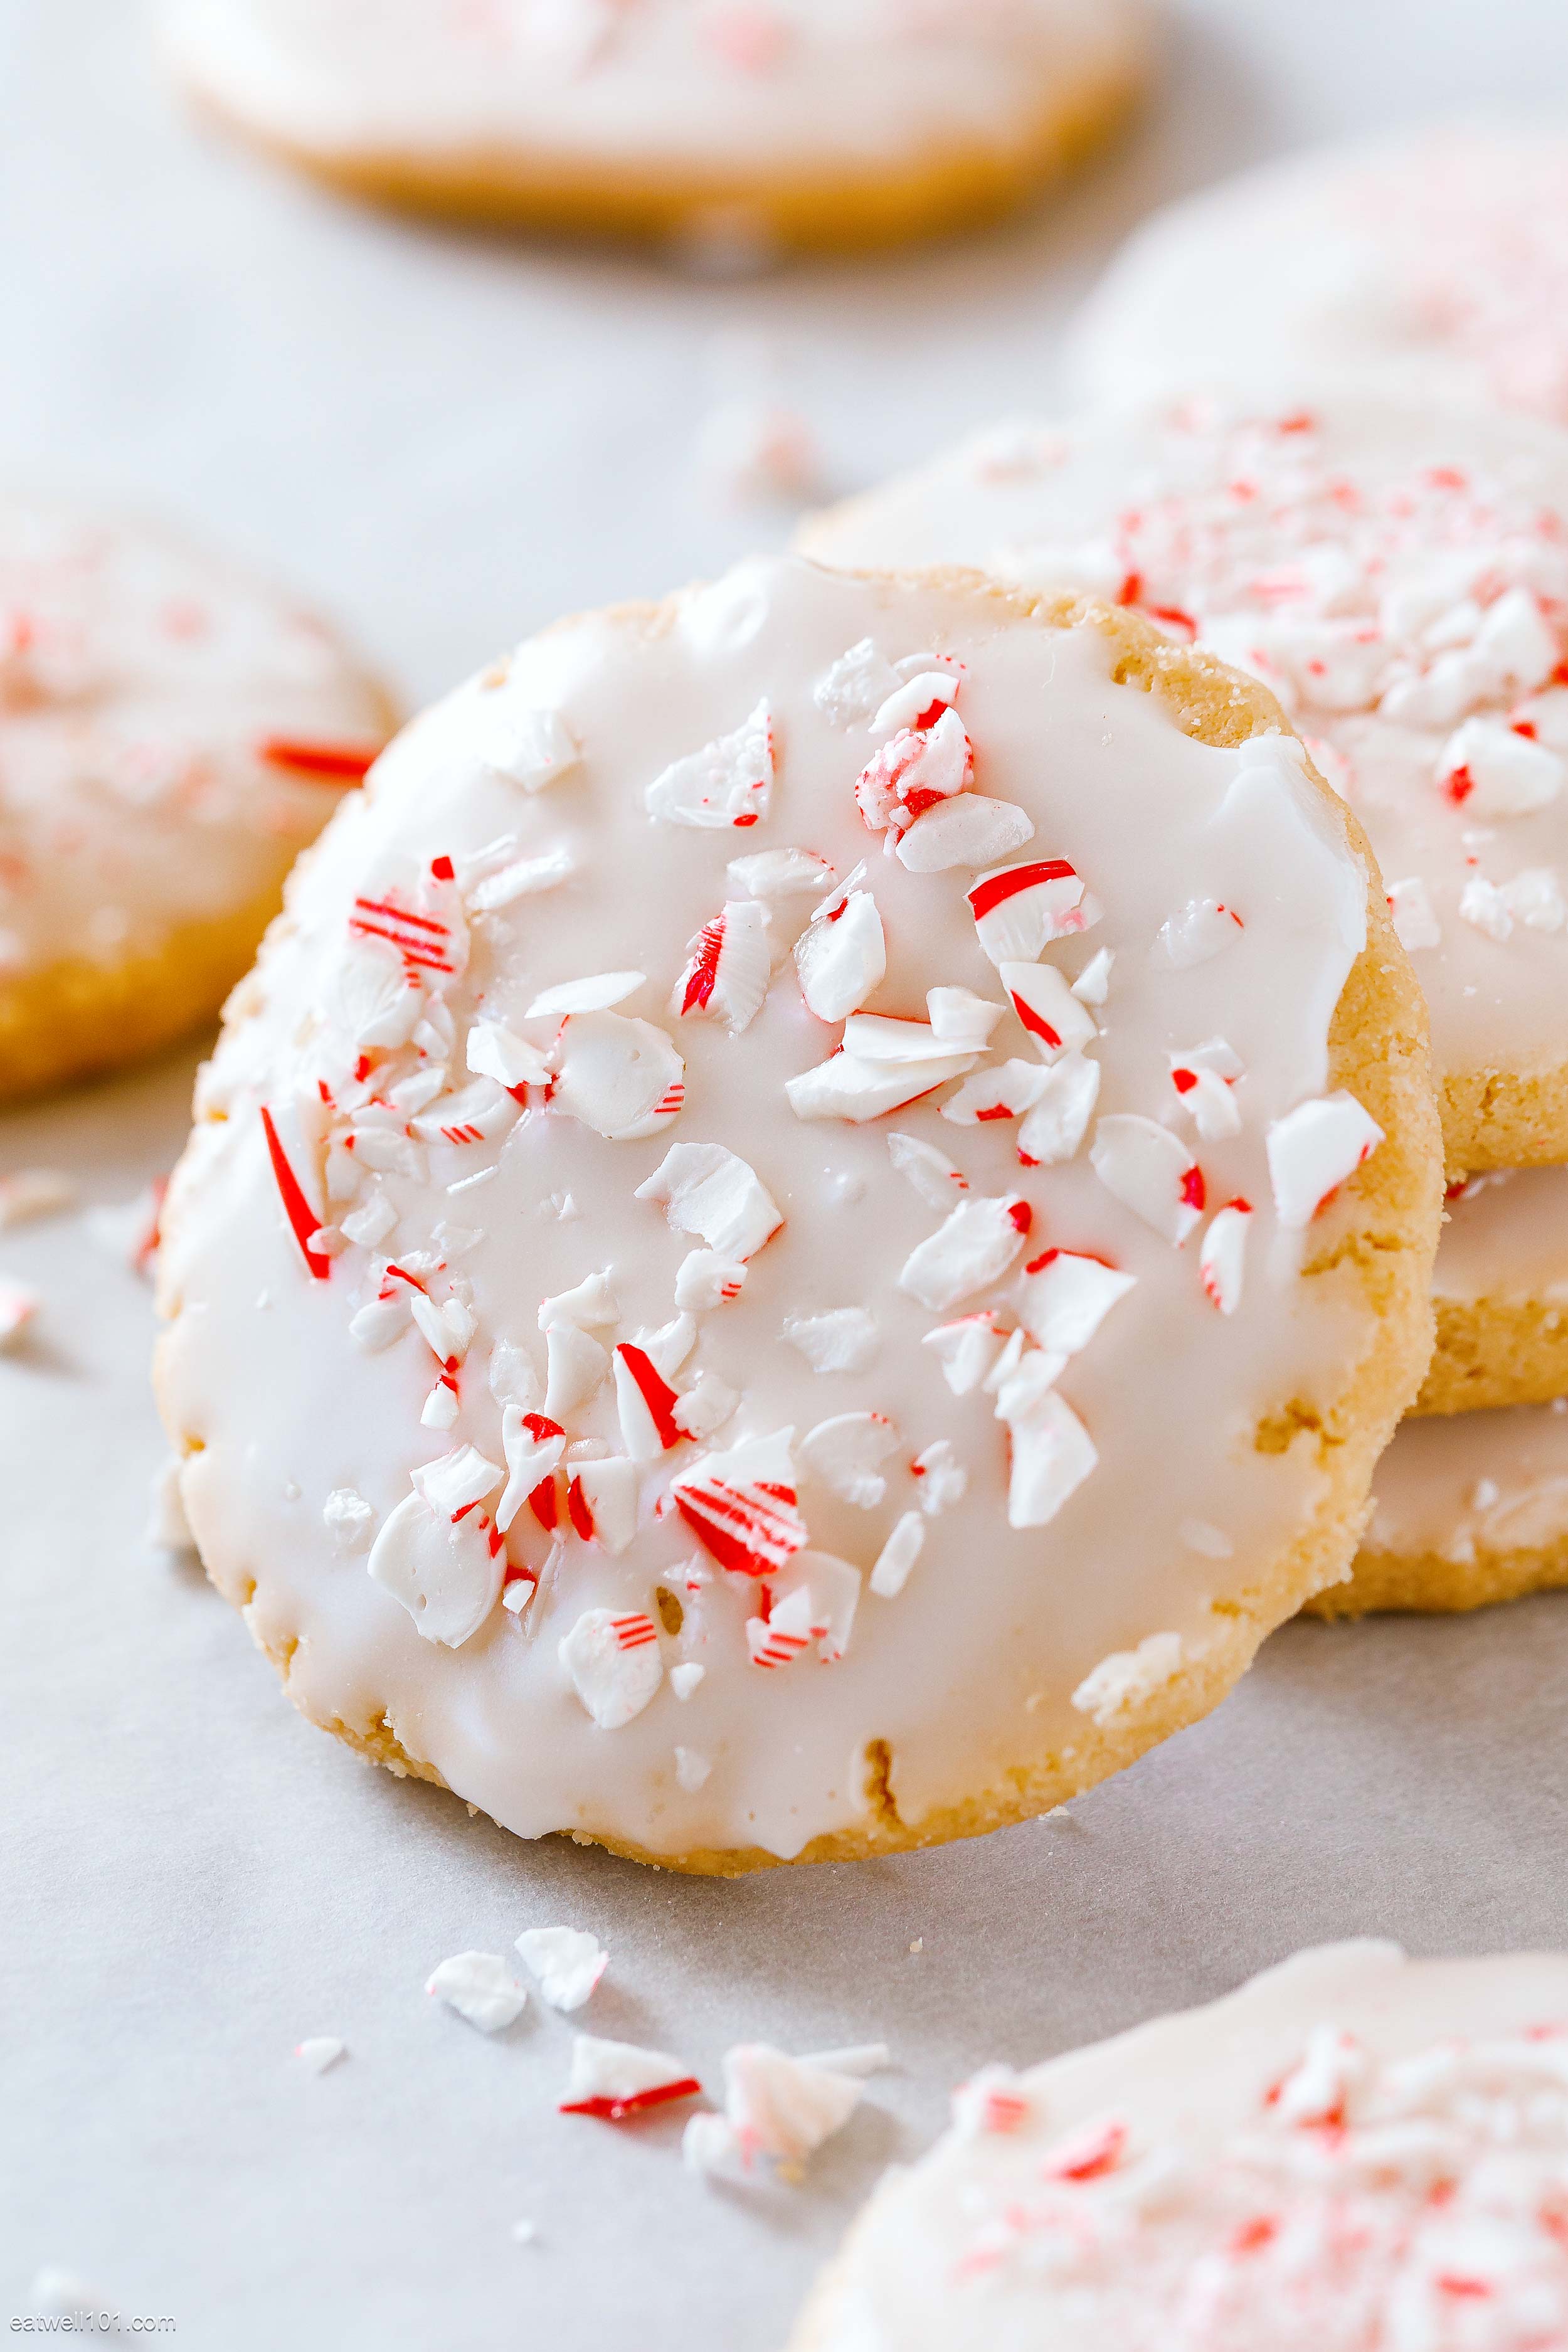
x,y
677,1288
1469,1508
170,735
1500,1292
736,122
1398,574
1356,2150
1433,264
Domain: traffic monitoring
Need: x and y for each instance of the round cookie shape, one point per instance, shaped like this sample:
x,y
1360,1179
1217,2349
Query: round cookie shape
x,y
1428,265
172,734
1398,576
707,1140
1355,2150
734,124
1468,1509
1499,1290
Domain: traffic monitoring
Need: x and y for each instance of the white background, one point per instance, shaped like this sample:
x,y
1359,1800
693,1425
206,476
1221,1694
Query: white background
x,y
447,440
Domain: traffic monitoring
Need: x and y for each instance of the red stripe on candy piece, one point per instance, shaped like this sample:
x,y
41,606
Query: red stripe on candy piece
x,y
443,869
986,896
704,965
543,1504
1195,1192
401,915
577,1510
300,1216
612,2111
325,763
655,1390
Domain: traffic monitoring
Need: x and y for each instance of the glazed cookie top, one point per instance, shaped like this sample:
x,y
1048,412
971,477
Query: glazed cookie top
x,y
171,736
1429,264
1398,576
1506,1237
692,85
1456,1485
1354,2150
689,1226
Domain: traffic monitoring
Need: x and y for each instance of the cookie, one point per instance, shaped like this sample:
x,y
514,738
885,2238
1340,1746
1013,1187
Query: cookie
x,y
711,1142
1355,2150
1398,574
1469,1508
1429,265
1499,1290
735,126
170,735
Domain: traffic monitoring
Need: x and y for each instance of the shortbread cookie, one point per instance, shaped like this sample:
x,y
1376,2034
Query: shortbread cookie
x,y
1469,1508
170,735
1356,2150
790,122
1500,1289
1399,575
1429,265
782,1146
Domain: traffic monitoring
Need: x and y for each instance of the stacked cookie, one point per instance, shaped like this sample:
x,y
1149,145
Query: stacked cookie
x,y
1397,574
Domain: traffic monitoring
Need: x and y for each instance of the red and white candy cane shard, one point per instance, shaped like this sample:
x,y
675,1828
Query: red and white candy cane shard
x,y
967,1350
617,2079
842,956
338,764
993,2100
890,1571
937,1179
714,1194
743,1503
646,1403
728,783
1054,1128
1150,1171
731,961
919,702
613,1664
1051,1452
1493,771
994,1096
919,767
534,1446
1311,1151
422,941
303,1219
1089,2155
779,873
969,830
1052,1016
1199,931
846,1453
605,1508
781,2108
1063,1298
975,1247
1414,917
1019,909
779,1639
622,1077
446,1572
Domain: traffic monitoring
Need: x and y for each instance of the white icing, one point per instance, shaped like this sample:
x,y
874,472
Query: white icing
x,y
728,93
1397,575
1355,2150
558,1708
139,679
1506,1237
1429,263
1458,1484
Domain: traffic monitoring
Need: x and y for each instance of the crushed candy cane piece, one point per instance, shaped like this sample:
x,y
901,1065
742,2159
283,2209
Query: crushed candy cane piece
x,y
1313,1150
1062,1298
898,1556
692,1770
777,2111
934,1175
602,1502
960,1019
499,1053
842,956
850,1086
1004,1092
318,2051
591,1306
1150,1171
844,1340
731,961
622,1077
684,1679
568,1962
530,747
1128,1678
479,1987
943,1478
743,1506
1093,985
919,767
993,2102
715,1196
534,1446
348,1520
577,1367
975,1246
613,1660
728,783
521,879
1222,1256
615,2079
1415,918
707,1278
917,701
645,1401
1051,1014
1199,931
595,993
845,1454
1052,1453
1019,909
447,1573
1494,772
967,1350
969,831
853,685
303,1219
458,1481
1054,1127
779,873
